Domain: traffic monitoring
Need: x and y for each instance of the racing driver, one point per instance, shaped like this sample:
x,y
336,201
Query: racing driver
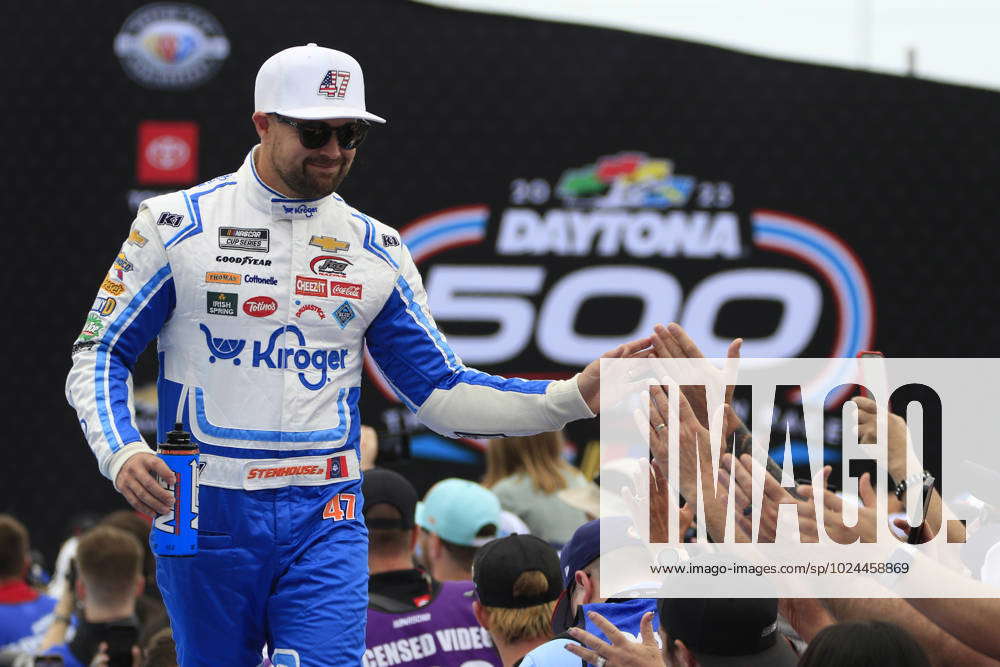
x,y
263,287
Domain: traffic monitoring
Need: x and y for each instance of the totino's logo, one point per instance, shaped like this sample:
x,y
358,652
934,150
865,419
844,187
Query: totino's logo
x,y
575,265
260,306
291,351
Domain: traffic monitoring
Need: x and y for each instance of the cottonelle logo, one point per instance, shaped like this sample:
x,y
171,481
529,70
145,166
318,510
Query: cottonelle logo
x,y
570,268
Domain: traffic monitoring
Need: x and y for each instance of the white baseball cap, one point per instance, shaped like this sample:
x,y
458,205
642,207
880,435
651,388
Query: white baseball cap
x,y
312,83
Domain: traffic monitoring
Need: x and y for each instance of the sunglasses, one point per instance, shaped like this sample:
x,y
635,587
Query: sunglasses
x,y
314,135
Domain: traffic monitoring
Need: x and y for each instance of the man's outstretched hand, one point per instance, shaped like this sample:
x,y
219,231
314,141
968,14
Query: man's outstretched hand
x,y
137,482
589,379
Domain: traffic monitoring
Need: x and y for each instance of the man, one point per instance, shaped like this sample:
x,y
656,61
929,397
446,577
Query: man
x,y
721,631
456,518
109,581
412,619
580,562
263,286
517,583
24,613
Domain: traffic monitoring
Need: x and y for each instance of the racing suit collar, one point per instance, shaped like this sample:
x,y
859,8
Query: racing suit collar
x,y
268,200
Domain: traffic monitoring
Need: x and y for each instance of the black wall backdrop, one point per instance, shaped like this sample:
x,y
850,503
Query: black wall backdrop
x,y
587,181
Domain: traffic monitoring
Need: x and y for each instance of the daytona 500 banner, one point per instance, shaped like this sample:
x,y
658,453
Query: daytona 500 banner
x,y
562,188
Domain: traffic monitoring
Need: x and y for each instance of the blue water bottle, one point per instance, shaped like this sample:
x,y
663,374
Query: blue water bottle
x,y
176,533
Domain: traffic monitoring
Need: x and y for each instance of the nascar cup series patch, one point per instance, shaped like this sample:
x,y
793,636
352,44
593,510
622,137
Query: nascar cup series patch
x,y
240,238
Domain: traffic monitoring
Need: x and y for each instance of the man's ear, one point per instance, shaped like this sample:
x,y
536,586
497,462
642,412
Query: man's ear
x,y
261,123
81,588
414,536
482,614
434,546
684,656
140,585
585,584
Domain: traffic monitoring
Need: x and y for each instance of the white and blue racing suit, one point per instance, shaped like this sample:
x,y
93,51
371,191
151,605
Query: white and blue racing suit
x,y
262,306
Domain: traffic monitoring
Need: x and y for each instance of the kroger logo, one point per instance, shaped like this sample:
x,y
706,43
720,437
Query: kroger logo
x,y
298,355
301,209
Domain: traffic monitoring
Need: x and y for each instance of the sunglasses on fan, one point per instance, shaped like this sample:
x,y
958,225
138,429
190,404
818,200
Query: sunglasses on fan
x,y
316,134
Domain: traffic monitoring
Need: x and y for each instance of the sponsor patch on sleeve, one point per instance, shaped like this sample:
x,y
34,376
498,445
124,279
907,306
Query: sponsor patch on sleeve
x,y
170,219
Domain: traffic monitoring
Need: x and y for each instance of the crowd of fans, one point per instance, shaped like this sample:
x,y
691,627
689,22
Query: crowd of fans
x,y
508,572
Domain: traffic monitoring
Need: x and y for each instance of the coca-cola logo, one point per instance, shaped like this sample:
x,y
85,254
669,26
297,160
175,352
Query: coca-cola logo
x,y
348,290
260,306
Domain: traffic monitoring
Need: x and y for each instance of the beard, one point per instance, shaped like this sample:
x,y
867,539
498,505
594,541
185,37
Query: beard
x,y
310,183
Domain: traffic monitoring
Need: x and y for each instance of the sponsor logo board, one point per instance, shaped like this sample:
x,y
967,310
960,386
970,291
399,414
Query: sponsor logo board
x,y
171,46
168,153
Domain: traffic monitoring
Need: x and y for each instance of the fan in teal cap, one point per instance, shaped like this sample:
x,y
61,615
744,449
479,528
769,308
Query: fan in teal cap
x,y
456,517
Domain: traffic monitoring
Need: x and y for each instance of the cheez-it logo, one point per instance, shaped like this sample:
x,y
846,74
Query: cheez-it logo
x,y
307,286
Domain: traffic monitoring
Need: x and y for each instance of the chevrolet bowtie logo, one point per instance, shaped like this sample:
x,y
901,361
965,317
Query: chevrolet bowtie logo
x,y
329,244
